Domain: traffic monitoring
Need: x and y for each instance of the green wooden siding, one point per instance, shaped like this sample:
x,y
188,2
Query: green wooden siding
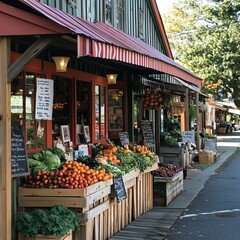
x,y
94,10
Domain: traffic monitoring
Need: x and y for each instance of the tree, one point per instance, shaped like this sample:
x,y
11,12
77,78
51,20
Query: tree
x,y
205,38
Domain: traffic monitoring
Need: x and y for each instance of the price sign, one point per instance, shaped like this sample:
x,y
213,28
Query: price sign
x,y
119,188
124,138
44,99
19,158
148,135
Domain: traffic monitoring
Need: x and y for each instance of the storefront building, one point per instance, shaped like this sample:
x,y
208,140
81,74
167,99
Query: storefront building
x,y
132,45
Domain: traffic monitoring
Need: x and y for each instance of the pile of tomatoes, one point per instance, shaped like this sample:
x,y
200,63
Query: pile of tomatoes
x,y
72,175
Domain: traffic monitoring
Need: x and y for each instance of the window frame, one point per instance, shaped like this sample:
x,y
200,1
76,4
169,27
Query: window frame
x,y
23,80
115,9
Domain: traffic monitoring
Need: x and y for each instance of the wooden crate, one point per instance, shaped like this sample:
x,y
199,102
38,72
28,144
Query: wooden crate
x,y
68,236
165,190
101,216
222,130
72,198
206,157
139,199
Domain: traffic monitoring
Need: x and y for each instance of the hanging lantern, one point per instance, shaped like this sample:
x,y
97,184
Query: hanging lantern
x,y
61,63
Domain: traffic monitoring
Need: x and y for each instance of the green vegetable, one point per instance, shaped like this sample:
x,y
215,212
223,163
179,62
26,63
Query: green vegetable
x,y
59,152
40,167
57,221
33,163
37,156
52,161
46,152
115,170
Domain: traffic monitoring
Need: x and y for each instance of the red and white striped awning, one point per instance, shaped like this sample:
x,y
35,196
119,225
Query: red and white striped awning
x,y
100,40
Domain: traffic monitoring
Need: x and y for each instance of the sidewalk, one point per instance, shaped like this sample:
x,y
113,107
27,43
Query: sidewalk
x,y
196,178
156,223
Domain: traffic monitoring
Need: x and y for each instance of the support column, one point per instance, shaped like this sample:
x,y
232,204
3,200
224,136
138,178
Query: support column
x,y
198,122
5,142
187,109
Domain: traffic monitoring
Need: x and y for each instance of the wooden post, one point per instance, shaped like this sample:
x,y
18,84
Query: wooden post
x,y
187,109
198,122
5,142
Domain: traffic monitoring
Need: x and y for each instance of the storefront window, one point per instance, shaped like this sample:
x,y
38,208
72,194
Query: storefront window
x,y
115,8
61,106
109,10
136,118
83,108
23,94
100,105
120,14
115,101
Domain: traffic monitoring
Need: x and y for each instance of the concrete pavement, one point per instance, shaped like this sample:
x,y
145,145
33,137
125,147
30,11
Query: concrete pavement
x,y
226,146
156,223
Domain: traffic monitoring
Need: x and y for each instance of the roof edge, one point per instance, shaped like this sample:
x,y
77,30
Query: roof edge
x,y
161,28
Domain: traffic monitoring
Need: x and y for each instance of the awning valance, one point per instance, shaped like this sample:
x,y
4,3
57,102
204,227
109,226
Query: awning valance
x,y
100,40
234,111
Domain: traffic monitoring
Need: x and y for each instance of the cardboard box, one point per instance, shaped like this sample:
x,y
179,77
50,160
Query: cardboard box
x,y
207,157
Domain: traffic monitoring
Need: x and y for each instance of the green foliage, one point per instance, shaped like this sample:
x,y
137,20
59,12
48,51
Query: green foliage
x,y
55,221
169,139
131,161
192,112
48,159
204,36
171,123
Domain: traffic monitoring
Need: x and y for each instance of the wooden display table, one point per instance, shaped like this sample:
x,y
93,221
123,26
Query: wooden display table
x,y
101,214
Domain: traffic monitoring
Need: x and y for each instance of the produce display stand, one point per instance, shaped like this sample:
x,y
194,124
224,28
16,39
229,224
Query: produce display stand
x,y
166,189
101,214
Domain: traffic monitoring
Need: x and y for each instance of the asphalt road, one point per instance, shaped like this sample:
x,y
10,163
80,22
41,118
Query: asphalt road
x,y
215,213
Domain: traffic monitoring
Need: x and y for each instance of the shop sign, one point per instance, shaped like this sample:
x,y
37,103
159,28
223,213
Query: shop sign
x,y
19,163
119,188
44,99
124,138
148,135
188,137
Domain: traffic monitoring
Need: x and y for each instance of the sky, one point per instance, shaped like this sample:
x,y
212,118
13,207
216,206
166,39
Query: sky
x,y
164,5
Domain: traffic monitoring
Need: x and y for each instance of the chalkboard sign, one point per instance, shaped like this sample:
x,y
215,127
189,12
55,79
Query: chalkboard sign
x,y
124,138
19,158
148,135
119,188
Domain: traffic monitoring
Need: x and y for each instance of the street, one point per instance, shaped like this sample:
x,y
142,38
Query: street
x,y
215,212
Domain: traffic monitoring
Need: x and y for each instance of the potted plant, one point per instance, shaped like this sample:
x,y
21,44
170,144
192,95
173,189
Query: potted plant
x,y
58,221
172,124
